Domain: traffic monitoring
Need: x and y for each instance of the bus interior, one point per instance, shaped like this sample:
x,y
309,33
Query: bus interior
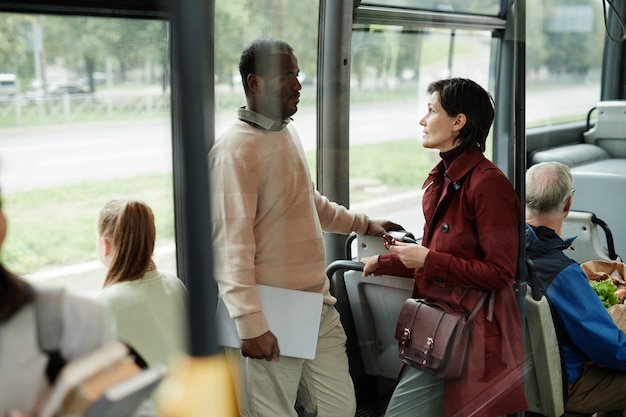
x,y
163,84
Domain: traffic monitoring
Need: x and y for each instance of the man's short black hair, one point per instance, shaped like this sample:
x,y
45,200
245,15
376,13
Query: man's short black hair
x,y
258,58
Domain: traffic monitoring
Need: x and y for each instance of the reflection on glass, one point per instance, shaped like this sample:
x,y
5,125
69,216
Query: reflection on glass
x,y
391,70
237,23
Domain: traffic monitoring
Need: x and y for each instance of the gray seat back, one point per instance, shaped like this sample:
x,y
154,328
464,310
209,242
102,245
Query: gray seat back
x,y
375,303
543,382
610,127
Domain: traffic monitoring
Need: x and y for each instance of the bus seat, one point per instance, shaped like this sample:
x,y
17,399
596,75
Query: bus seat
x,y
608,131
375,304
571,155
543,382
599,178
587,246
600,189
543,372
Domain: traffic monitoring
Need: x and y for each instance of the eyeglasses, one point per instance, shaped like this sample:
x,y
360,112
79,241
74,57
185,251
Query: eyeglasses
x,y
573,190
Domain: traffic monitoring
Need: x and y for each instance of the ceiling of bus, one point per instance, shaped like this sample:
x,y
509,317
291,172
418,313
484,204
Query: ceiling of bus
x,y
160,8
104,8
481,7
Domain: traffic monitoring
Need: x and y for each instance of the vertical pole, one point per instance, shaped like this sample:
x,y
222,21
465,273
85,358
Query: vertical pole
x,y
333,93
192,91
518,9
199,384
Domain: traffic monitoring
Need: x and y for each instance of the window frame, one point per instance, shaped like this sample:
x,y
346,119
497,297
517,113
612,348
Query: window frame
x,y
192,119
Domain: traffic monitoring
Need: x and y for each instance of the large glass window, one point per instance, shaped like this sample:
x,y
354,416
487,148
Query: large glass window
x,y
564,43
85,118
391,70
89,121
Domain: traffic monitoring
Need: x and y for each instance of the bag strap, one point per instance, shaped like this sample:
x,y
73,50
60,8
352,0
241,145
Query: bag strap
x,y
479,305
406,334
49,315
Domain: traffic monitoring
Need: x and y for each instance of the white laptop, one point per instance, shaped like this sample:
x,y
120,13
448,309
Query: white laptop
x,y
293,316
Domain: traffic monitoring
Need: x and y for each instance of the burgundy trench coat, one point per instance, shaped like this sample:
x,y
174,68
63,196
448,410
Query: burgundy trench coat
x,y
472,229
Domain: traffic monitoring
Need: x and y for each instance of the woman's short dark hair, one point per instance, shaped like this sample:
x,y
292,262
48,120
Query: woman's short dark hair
x,y
462,95
257,58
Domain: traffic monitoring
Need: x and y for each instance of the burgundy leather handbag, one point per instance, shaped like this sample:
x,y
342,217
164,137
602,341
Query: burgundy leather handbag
x,y
434,337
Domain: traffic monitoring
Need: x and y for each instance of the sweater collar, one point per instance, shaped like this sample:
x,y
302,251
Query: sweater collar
x,y
262,122
449,156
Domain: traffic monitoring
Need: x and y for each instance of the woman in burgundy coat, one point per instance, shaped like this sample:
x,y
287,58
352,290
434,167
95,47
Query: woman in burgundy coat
x,y
470,245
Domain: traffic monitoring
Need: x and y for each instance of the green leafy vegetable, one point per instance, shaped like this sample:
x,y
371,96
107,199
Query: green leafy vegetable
x,y
606,291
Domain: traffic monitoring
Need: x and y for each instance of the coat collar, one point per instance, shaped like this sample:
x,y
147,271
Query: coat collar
x,y
542,239
460,166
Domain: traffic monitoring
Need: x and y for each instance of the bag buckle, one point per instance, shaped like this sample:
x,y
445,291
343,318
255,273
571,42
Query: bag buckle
x,y
429,346
406,335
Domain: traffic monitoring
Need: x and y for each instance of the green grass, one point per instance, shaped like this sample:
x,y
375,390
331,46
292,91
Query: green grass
x,y
56,226
399,163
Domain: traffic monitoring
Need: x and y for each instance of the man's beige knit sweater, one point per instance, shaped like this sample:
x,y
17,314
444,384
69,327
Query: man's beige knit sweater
x,y
268,220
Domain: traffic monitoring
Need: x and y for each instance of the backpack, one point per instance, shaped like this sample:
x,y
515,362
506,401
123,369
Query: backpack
x,y
49,316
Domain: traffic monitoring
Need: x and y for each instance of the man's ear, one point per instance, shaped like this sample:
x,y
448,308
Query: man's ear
x,y
254,82
459,122
568,206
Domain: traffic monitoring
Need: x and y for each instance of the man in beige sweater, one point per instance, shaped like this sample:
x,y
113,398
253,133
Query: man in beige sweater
x,y
267,229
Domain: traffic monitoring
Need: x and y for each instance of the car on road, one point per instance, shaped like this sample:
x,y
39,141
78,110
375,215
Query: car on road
x,y
9,86
73,89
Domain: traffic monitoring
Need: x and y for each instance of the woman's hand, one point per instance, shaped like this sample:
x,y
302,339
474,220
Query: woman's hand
x,y
370,265
410,254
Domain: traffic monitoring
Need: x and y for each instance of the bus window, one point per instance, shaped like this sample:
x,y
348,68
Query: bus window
x,y
63,156
92,122
564,44
392,67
